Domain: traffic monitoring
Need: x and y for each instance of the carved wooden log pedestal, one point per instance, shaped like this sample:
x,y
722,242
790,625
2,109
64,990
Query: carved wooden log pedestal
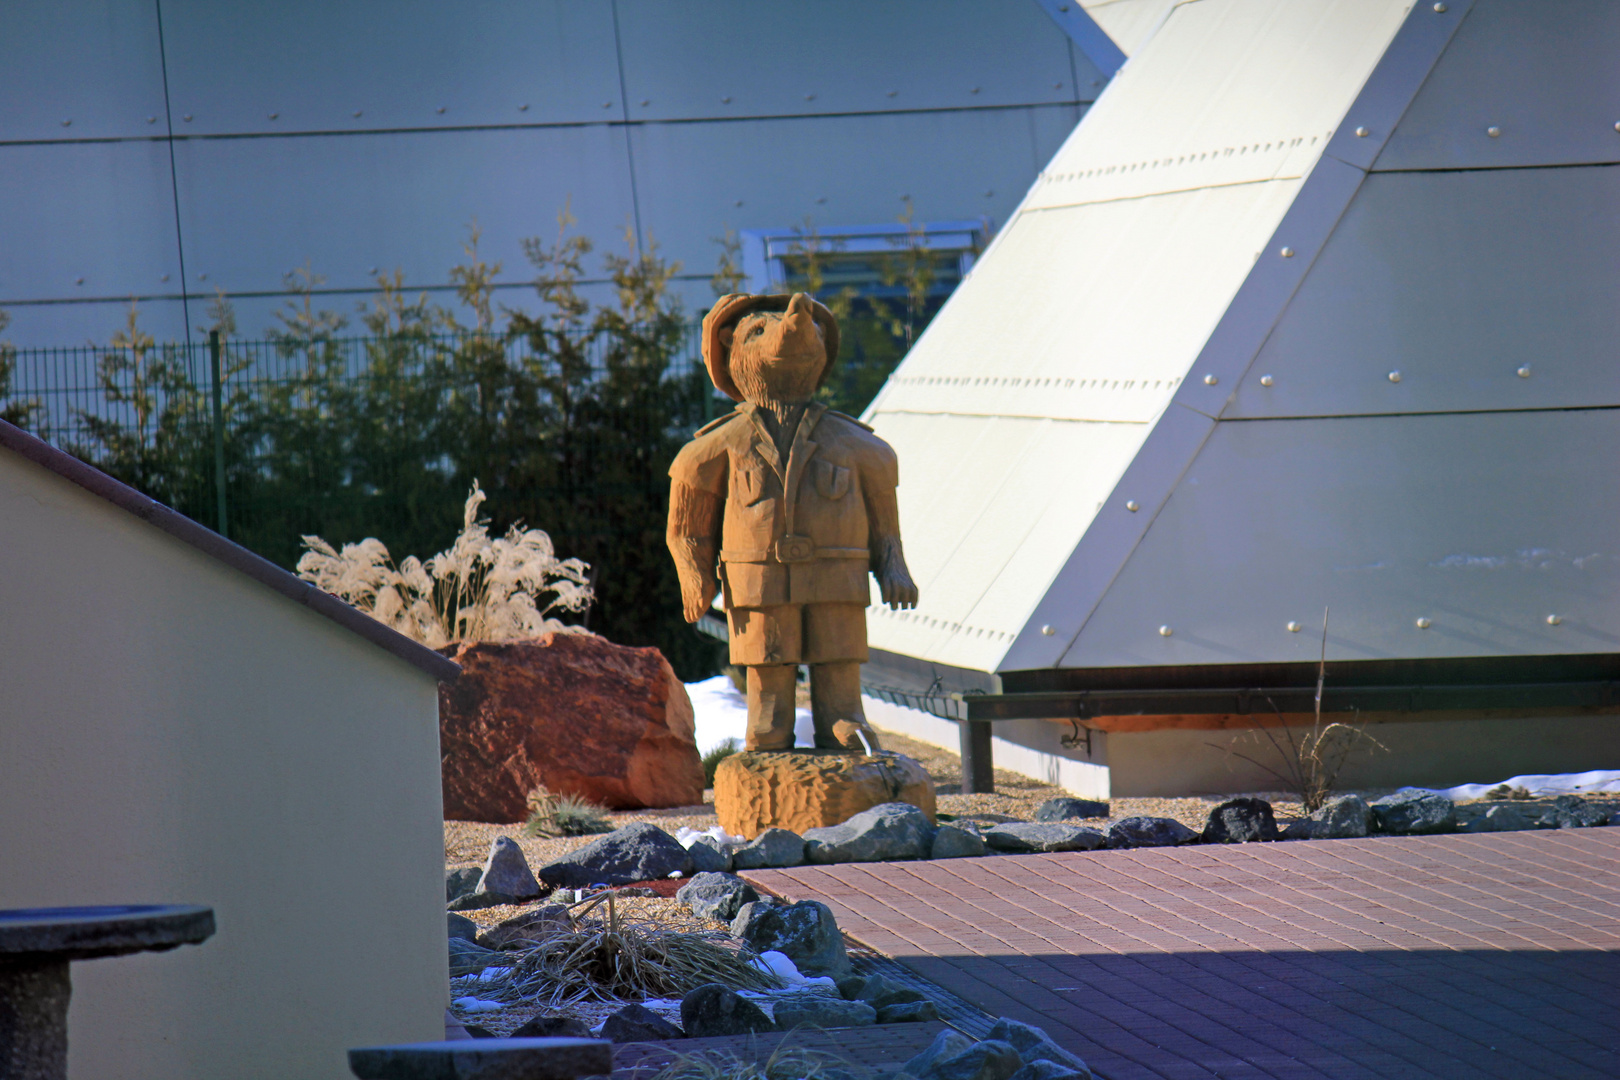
x,y
755,790
36,946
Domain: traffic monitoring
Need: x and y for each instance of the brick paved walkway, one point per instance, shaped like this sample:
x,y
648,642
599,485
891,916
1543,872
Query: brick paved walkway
x,y
1450,957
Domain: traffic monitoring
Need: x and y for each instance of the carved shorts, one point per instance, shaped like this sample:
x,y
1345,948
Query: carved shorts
x,y
798,634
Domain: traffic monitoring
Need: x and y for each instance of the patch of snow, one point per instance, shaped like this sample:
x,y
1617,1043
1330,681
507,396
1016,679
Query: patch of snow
x,y
689,836
1544,785
475,1005
719,713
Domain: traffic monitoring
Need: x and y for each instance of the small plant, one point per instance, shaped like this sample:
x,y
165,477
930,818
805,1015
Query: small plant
x,y
564,815
785,1063
480,589
1507,791
1311,763
712,760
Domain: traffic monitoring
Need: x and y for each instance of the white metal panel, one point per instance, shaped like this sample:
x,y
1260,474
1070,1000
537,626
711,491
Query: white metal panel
x,y
1130,22
1227,93
1090,312
1456,280
85,220
80,69
396,63
1479,523
783,171
778,59
1543,73
255,209
989,508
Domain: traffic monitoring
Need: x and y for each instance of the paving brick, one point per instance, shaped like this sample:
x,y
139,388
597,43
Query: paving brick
x,y
1484,955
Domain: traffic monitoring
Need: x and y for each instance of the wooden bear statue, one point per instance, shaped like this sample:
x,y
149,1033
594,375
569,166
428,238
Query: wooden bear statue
x,y
785,505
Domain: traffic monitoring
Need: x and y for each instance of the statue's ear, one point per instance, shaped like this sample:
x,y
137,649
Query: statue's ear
x,y
727,334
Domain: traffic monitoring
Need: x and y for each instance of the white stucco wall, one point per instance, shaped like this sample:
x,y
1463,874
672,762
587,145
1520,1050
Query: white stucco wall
x,y
173,731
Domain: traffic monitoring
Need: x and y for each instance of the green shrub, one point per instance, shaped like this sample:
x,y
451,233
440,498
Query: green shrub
x,y
712,760
564,815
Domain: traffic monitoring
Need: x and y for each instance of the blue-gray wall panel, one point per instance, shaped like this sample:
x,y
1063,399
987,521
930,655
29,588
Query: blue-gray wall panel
x,y
231,64
1544,73
94,63
255,209
103,212
841,56
83,322
1456,280
952,165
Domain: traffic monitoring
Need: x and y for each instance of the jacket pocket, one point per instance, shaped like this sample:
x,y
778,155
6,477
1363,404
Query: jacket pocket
x,y
748,484
832,481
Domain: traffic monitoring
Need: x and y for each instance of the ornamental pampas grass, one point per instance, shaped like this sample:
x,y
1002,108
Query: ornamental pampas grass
x,y
480,589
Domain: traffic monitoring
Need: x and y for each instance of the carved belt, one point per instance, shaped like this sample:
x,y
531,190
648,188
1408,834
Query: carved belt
x,y
794,549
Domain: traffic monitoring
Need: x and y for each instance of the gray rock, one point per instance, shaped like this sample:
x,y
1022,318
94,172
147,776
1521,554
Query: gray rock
x,y
1415,812
908,1012
476,901
467,957
709,856
805,933
716,1009
458,883
1574,812
1134,832
1066,809
880,993
637,852
1047,836
715,895
637,1023
507,871
1240,821
991,1059
955,842
947,1044
553,1027
461,927
883,833
820,1011
487,1059
526,927
1049,1070
1501,819
1300,829
1033,1045
773,847
1343,817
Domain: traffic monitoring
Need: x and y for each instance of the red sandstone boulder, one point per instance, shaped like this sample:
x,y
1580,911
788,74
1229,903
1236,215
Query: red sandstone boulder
x,y
573,712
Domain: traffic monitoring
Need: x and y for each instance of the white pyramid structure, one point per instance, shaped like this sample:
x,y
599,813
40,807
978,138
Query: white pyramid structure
x,y
1318,307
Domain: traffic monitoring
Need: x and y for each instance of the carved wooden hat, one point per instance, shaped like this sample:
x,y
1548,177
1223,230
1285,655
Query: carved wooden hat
x,y
729,309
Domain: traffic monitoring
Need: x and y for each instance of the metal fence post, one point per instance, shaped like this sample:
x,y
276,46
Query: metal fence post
x,y
219,430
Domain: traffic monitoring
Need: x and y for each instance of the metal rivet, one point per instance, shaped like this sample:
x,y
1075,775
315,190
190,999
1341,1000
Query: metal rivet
x,y
1394,376
989,193
725,101
1524,371
1439,9
645,102
78,281
1493,131
1423,623
202,277
275,116
524,107
440,110
1266,380
165,277
1362,132
1287,253
821,201
809,97
975,90
1132,505
153,120
892,93
607,104
1210,380
1165,631
1048,630
1554,620
67,123
1058,85
372,270
186,118
1294,627
739,202
358,113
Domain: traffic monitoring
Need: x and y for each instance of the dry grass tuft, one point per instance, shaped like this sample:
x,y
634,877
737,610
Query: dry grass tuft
x,y
624,958
785,1063
480,589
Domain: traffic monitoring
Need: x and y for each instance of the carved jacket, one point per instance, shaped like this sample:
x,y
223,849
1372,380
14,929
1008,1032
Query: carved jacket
x,y
798,531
